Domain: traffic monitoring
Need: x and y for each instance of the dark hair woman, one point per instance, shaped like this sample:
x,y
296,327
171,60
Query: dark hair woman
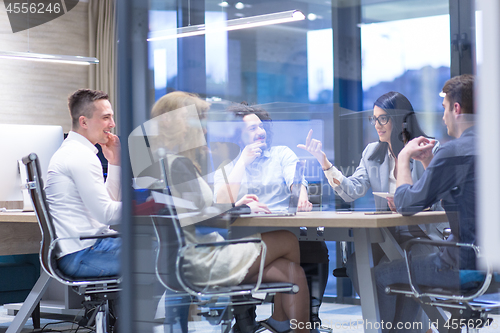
x,y
396,124
398,110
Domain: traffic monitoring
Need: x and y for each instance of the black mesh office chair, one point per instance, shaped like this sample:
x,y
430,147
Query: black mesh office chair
x,y
222,302
461,300
225,302
98,292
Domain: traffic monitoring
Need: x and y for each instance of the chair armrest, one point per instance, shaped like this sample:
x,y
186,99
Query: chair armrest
x,y
424,241
116,235
53,244
418,294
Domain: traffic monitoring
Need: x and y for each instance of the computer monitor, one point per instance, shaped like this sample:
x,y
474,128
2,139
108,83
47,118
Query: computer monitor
x,y
17,141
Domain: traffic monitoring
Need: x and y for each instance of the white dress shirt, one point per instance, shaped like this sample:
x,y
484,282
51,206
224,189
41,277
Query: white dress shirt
x,y
269,176
80,202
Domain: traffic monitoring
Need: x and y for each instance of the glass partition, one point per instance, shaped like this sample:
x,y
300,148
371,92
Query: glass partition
x,y
310,74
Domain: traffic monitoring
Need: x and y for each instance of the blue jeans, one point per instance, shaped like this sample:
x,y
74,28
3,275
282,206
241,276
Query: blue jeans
x,y
101,259
427,270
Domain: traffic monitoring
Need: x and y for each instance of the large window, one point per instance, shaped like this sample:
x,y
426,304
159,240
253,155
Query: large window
x,y
405,47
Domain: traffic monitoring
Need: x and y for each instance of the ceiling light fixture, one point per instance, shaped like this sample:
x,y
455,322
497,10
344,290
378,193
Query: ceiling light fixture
x,y
236,24
312,16
65,59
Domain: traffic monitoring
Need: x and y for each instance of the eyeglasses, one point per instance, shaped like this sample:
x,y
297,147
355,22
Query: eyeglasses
x,y
382,120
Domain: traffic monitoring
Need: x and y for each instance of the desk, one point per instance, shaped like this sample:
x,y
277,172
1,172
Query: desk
x,y
19,233
356,226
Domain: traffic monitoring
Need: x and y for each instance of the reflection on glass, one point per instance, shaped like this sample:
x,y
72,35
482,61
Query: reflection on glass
x,y
479,37
172,146
163,54
320,65
216,51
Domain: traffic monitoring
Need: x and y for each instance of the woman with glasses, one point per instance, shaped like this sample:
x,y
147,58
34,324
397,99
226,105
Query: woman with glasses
x,y
396,124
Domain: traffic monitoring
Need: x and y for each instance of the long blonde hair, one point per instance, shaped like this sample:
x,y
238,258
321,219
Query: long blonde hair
x,y
173,131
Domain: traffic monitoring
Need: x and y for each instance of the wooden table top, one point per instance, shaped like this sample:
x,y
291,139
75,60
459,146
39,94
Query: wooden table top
x,y
19,233
342,220
303,219
28,217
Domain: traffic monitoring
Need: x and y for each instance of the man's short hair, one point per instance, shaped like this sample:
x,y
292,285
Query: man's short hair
x,y
80,103
460,89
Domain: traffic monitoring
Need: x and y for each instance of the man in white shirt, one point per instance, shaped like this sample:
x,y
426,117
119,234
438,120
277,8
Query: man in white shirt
x,y
261,169
81,203
268,172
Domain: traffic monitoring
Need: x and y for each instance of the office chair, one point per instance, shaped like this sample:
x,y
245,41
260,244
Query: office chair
x,y
462,301
99,293
221,303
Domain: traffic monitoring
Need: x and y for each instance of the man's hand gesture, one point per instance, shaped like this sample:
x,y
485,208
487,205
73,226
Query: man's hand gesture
x,y
420,149
111,150
251,152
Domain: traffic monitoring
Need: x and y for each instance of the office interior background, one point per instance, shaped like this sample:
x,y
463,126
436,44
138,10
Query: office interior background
x,y
325,71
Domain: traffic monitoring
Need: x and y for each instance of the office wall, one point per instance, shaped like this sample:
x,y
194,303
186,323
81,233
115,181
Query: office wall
x,y
36,92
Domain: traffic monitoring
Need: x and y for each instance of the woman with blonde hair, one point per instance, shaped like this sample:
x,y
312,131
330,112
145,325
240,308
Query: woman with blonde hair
x,y
180,133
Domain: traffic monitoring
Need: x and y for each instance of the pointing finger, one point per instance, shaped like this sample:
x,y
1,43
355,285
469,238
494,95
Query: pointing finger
x,y
309,136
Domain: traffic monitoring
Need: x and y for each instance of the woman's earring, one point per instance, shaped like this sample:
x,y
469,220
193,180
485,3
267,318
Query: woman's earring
x,y
404,136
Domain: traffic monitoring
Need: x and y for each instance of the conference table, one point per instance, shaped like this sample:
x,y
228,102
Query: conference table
x,y
363,228
19,234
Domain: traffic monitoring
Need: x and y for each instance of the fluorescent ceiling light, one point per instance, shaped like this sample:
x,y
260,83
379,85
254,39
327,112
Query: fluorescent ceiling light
x,y
236,24
312,16
65,59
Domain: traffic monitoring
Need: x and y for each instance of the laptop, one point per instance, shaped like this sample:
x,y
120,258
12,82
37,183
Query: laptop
x,y
294,196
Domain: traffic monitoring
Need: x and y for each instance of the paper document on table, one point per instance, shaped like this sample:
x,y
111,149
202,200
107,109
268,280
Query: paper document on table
x,y
170,200
384,194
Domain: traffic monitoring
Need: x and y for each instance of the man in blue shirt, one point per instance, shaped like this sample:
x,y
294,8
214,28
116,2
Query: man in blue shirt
x,y
261,169
268,172
449,177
